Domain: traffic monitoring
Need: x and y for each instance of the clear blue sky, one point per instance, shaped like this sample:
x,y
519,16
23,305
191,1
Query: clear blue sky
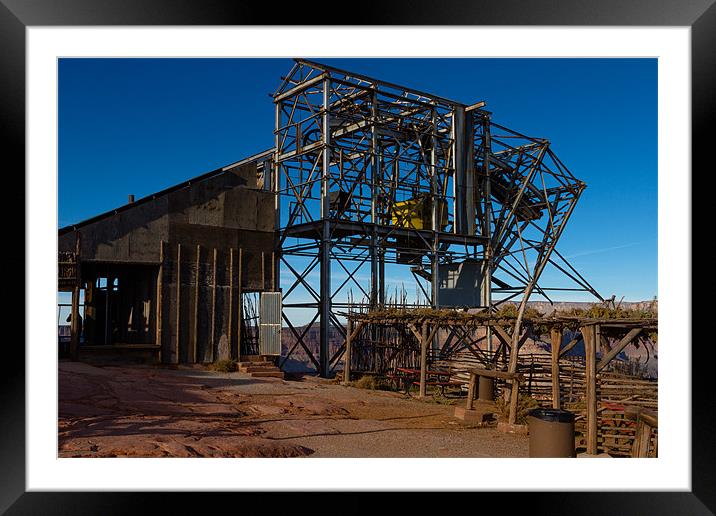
x,y
135,126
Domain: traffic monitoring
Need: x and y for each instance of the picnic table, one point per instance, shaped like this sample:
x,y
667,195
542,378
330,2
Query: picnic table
x,y
408,377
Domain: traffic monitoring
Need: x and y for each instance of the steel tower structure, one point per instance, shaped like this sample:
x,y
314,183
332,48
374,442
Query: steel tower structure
x,y
368,173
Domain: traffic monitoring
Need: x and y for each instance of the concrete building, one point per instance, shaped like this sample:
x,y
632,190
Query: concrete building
x,y
164,275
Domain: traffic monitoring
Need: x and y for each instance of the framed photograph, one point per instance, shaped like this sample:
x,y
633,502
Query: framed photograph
x,y
295,255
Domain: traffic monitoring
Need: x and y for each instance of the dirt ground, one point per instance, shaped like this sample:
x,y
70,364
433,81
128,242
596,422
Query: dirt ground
x,y
145,411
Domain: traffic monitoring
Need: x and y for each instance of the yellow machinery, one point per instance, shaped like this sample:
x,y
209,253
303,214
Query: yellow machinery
x,y
417,213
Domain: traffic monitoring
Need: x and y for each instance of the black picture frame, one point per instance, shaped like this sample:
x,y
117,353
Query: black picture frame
x,y
17,15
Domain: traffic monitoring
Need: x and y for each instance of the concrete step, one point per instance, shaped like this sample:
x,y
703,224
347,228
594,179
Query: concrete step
x,y
268,374
253,358
258,369
264,363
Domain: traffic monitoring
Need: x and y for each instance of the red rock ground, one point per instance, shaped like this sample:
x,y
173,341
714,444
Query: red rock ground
x,y
145,411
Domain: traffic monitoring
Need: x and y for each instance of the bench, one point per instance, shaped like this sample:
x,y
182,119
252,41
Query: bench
x,y
399,378
442,385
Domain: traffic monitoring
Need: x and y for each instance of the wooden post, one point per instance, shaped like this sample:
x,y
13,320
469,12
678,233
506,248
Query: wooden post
x,y
347,364
646,421
74,323
423,359
641,440
591,337
556,340
195,340
75,310
515,385
178,303
471,388
231,301
240,306
213,306
160,298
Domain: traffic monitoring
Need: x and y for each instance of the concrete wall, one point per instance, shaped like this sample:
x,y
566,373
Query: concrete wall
x,y
201,301
199,306
217,212
128,236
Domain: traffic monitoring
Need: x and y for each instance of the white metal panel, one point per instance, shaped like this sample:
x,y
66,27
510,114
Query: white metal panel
x,y
270,324
459,283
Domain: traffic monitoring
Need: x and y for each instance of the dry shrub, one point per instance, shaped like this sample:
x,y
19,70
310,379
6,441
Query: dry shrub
x,y
365,382
223,366
524,405
372,383
600,311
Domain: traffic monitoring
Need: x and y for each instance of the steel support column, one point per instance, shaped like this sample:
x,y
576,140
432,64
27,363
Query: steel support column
x,y
325,287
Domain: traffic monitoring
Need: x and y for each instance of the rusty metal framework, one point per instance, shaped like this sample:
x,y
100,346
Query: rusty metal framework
x,y
368,173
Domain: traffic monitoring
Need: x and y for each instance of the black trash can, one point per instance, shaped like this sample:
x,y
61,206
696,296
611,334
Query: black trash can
x,y
551,433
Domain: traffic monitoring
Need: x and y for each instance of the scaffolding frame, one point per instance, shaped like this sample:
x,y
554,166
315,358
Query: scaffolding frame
x,y
368,173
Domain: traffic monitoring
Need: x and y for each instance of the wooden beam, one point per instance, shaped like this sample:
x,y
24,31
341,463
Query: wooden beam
x,y
231,302
195,339
423,359
628,338
178,305
523,339
515,387
650,417
74,323
570,345
591,337
240,304
160,298
502,334
496,356
491,373
347,356
356,329
556,341
506,338
471,388
435,329
642,436
213,306
447,342
75,309
415,331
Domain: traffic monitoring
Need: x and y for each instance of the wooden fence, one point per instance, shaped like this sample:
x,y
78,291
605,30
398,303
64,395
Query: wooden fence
x,y
615,392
